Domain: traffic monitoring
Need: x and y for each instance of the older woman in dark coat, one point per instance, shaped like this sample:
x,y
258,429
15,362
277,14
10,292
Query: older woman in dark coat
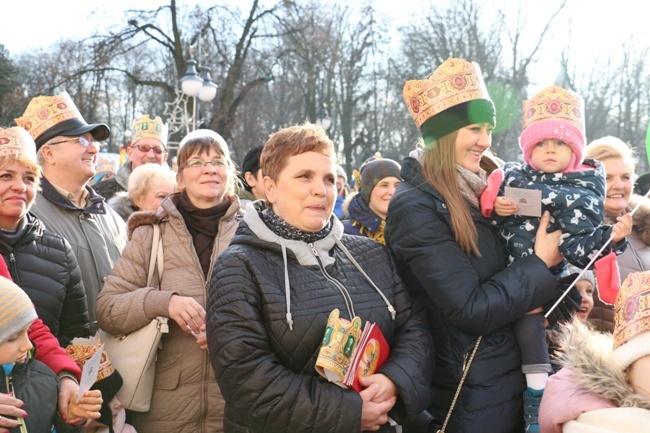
x,y
288,266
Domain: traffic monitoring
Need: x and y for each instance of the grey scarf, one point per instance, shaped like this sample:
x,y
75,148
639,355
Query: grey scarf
x,y
471,184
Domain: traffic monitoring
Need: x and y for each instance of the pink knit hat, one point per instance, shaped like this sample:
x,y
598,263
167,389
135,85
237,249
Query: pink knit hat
x,y
554,113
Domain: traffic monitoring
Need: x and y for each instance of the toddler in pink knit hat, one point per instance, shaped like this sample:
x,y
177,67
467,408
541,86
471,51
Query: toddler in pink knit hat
x,y
573,191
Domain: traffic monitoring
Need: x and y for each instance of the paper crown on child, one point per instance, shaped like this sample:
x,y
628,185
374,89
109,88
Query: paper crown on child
x,y
554,113
16,309
451,98
146,127
632,320
108,379
16,141
339,342
47,117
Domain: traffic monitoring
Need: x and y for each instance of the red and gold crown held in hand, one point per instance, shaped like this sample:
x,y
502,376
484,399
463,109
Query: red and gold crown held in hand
x,y
44,112
555,103
454,82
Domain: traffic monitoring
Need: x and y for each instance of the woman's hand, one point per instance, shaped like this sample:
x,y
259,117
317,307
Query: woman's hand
x,y
10,411
622,228
378,398
547,244
201,338
188,313
504,207
87,407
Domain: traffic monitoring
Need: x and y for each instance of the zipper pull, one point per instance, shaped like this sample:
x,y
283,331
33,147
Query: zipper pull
x,y
465,356
313,250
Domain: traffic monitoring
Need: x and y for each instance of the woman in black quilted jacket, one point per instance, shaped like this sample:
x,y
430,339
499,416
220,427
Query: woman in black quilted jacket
x,y
453,261
288,266
41,262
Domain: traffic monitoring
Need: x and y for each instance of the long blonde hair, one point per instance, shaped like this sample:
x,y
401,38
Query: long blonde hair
x,y
439,169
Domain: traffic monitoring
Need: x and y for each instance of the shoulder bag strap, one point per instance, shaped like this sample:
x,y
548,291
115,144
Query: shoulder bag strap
x,y
156,256
460,385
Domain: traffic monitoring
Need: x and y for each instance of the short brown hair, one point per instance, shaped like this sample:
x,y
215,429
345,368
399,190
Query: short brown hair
x,y
291,141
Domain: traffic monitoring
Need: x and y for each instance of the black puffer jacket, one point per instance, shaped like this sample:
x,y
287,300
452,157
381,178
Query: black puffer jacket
x,y
43,265
466,297
265,365
38,387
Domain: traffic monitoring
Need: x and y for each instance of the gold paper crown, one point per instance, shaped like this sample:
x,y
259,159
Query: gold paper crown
x,y
44,112
145,127
106,165
16,141
81,353
632,309
339,342
454,82
555,103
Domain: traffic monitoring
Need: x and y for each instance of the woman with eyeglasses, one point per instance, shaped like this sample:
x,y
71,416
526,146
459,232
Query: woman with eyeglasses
x,y
148,146
196,225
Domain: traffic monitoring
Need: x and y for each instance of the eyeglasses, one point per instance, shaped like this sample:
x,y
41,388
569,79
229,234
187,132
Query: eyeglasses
x,y
145,148
216,163
81,139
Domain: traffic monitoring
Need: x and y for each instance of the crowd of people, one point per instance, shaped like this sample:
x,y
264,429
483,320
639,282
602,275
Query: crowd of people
x,y
496,286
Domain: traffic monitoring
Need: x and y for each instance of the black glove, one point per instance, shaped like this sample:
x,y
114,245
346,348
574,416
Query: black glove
x,y
568,306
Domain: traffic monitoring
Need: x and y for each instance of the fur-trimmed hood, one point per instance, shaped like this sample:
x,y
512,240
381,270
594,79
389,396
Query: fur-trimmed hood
x,y
588,354
169,208
641,218
122,204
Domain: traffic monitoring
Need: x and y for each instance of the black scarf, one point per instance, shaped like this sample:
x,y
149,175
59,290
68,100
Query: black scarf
x,y
203,225
285,230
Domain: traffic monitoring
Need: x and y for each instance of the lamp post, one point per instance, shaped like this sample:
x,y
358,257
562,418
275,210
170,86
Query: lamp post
x,y
323,120
194,85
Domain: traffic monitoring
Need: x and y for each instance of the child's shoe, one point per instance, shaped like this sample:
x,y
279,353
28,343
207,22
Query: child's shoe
x,y
532,398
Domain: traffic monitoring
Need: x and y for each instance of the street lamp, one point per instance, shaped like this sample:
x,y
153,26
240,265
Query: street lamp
x,y
323,120
208,89
193,85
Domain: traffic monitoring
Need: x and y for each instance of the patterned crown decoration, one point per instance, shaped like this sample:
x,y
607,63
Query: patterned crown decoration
x,y
44,112
16,141
81,353
107,163
339,343
145,127
454,82
558,104
632,308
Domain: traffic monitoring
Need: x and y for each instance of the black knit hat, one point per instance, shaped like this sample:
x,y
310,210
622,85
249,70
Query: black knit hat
x,y
252,160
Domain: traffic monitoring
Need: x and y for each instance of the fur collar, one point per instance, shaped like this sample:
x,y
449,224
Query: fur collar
x,y
641,218
588,354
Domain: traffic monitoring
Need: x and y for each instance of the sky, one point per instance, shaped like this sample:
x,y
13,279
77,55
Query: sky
x,y
595,29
